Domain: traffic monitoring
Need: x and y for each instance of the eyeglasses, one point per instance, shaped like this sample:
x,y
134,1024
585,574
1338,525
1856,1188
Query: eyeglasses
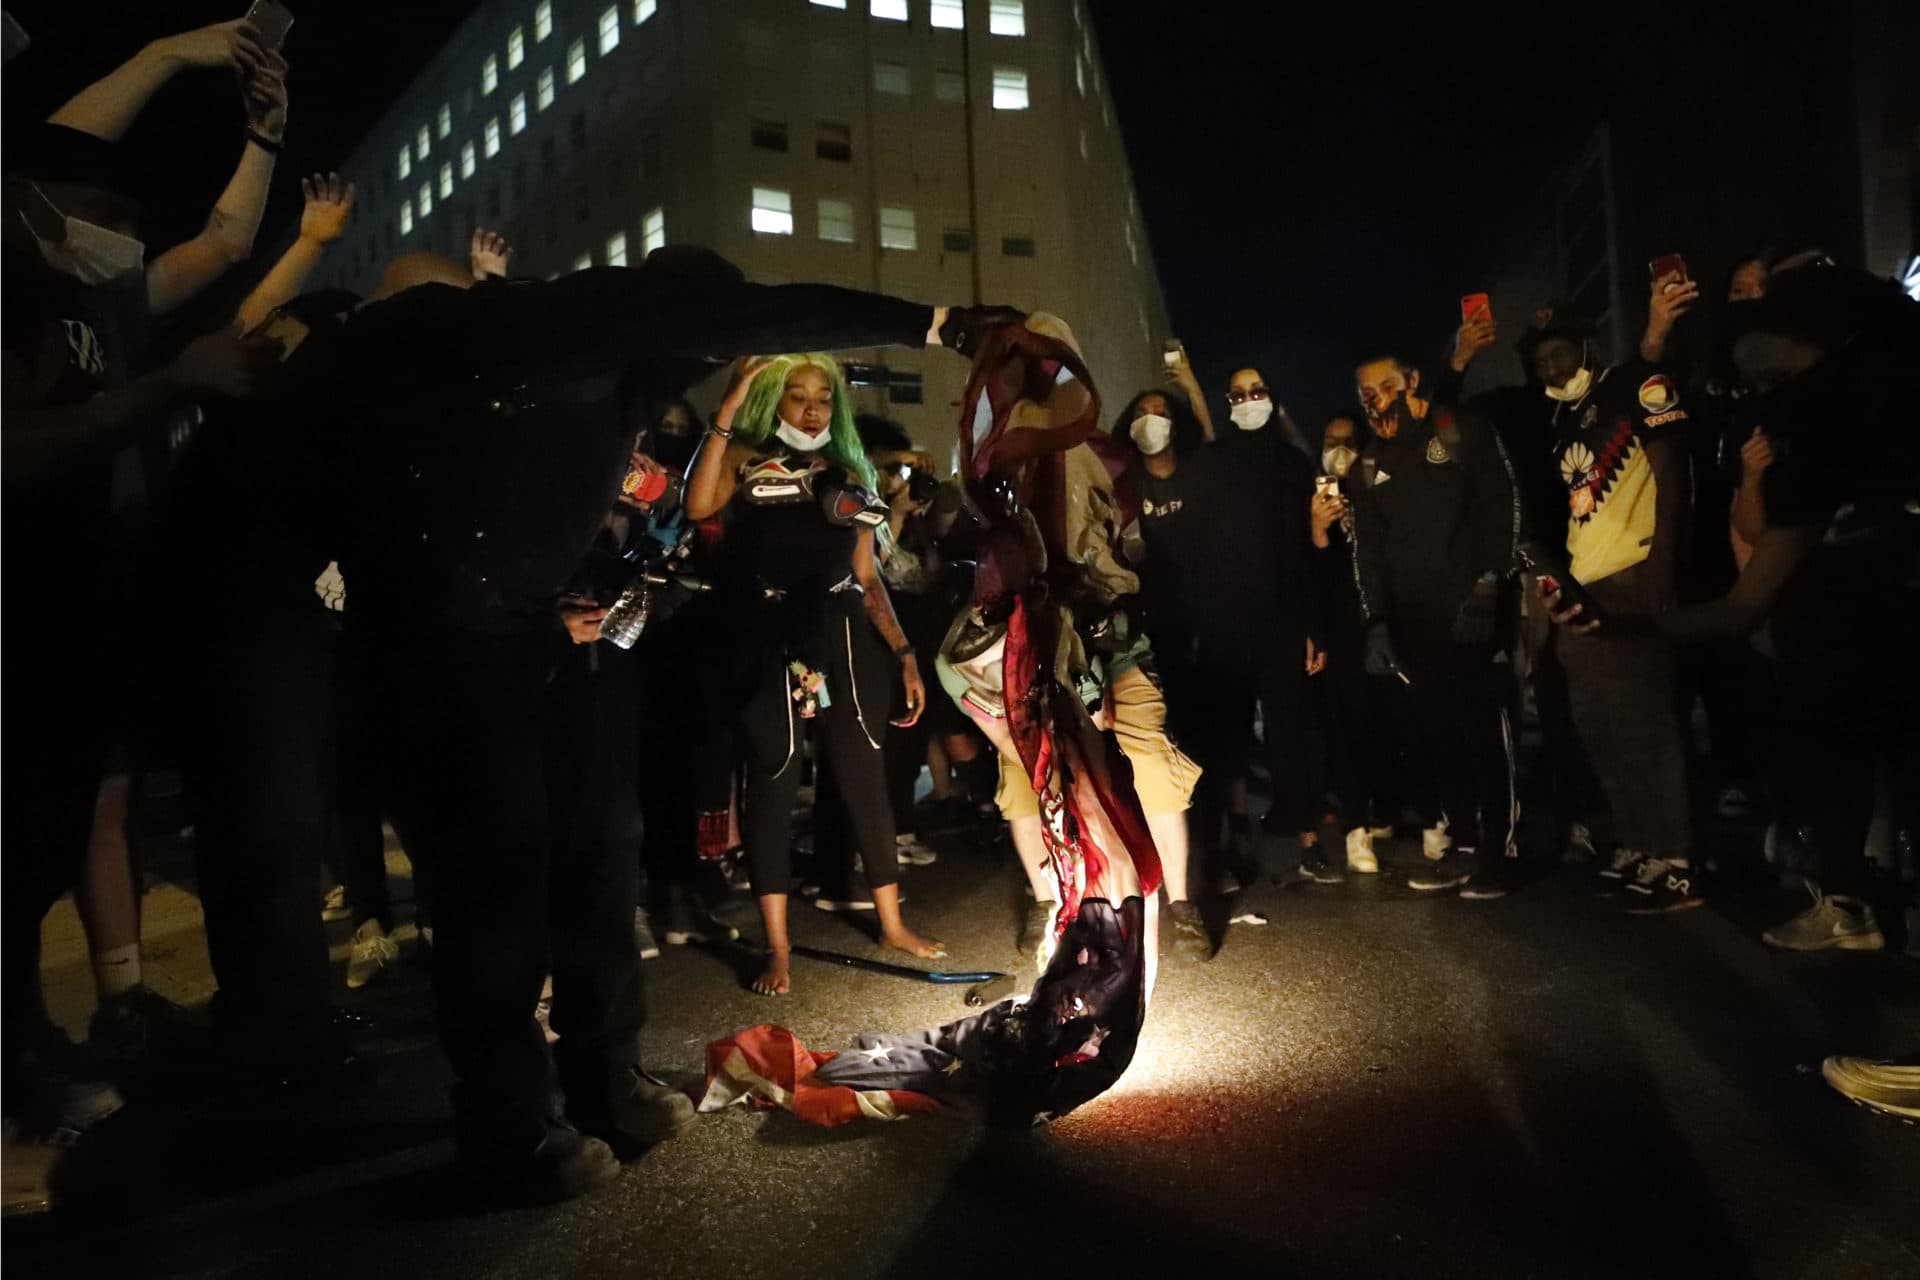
x,y
1257,391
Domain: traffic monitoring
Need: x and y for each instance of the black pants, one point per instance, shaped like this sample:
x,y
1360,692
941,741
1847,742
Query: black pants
x,y
1457,698
851,738
669,710
261,776
1359,719
1572,783
467,752
1221,689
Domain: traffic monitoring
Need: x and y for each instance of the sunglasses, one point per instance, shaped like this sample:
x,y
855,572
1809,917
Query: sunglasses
x,y
1256,392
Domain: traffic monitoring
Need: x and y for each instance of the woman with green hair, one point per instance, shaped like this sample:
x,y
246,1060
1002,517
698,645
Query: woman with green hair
x,y
797,570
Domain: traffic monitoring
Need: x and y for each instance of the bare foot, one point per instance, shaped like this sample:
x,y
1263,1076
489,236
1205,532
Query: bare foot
x,y
915,945
776,981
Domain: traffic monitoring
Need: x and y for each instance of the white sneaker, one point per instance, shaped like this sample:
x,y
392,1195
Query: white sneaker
x,y
911,853
1360,856
1435,843
1831,923
643,935
373,955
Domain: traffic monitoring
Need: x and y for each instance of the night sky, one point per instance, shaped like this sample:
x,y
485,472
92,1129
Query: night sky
x,y
1311,184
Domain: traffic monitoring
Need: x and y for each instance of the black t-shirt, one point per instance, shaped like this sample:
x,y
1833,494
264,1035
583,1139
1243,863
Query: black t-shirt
x,y
1164,531
1245,524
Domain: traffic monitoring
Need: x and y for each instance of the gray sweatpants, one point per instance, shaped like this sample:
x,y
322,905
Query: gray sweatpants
x,y
1622,691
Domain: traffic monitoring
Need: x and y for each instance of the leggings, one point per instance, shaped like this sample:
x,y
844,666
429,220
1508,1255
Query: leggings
x,y
850,737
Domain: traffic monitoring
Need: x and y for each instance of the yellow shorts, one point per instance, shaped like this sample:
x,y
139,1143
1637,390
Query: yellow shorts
x,y
1163,776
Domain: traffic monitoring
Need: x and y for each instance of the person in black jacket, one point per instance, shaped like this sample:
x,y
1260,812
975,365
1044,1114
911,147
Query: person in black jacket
x,y
1435,523
471,442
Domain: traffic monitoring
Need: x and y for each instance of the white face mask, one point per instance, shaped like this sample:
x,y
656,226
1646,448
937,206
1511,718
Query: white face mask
x,y
1575,389
90,253
799,439
1337,460
1251,415
1151,432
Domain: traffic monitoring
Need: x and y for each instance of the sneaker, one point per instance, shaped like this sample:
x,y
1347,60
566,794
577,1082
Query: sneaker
x,y
855,903
1190,939
1449,871
1435,843
1842,923
690,921
1733,802
333,907
1619,871
1579,850
643,935
1490,878
1315,867
912,853
123,1029
1662,886
1361,859
564,1165
1891,1088
374,954
639,1111
1035,926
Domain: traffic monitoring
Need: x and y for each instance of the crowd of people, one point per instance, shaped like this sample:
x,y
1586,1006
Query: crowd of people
x,y
540,559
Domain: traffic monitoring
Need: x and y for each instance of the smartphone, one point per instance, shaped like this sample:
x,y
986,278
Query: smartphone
x,y
1668,264
1472,304
271,20
1172,354
1326,484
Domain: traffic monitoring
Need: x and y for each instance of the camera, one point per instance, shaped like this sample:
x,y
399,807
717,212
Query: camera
x,y
921,485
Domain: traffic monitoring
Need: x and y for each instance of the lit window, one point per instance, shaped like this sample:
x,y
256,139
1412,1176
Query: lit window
x,y
768,129
468,161
949,86
892,10
493,136
773,211
897,229
406,163
830,4
836,221
426,198
489,74
423,144
446,179
576,60
950,15
1009,89
543,95
1006,17
543,19
617,249
582,262
610,30
653,230
892,77
517,113
516,48
445,123
1079,73
644,9
406,217
835,142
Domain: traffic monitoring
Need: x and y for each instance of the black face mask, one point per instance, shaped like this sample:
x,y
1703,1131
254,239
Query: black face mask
x,y
1395,418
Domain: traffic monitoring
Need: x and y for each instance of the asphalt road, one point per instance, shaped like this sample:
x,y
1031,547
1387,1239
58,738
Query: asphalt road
x,y
1372,1084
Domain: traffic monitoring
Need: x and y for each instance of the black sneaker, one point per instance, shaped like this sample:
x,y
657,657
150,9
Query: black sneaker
x,y
564,1165
1315,867
1190,938
126,1028
1662,887
636,1112
1449,871
1621,869
1491,878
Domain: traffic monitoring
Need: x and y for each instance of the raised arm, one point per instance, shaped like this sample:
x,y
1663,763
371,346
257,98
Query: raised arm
x,y
1181,375
108,107
710,484
329,202
184,270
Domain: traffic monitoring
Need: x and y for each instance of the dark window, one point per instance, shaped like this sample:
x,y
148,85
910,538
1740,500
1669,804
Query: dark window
x,y
906,387
650,156
579,130
768,129
835,142
493,200
960,241
1016,246
549,158
865,375
519,179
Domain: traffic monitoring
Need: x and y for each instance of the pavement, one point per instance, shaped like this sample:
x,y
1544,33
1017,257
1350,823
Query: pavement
x,y
1373,1083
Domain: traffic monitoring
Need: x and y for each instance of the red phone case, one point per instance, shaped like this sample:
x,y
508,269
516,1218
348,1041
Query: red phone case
x,y
1667,264
1472,304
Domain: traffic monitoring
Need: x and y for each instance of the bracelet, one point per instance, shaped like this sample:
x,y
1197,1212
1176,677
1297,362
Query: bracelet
x,y
713,429
263,142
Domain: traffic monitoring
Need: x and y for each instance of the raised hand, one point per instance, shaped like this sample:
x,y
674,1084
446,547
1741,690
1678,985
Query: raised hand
x,y
265,92
329,204
1474,336
233,44
488,253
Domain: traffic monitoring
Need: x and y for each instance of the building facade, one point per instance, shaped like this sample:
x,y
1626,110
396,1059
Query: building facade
x,y
948,151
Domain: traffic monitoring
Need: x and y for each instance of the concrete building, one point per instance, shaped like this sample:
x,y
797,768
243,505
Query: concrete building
x,y
944,150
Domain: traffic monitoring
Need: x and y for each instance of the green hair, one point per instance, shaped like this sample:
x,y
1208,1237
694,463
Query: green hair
x,y
759,415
